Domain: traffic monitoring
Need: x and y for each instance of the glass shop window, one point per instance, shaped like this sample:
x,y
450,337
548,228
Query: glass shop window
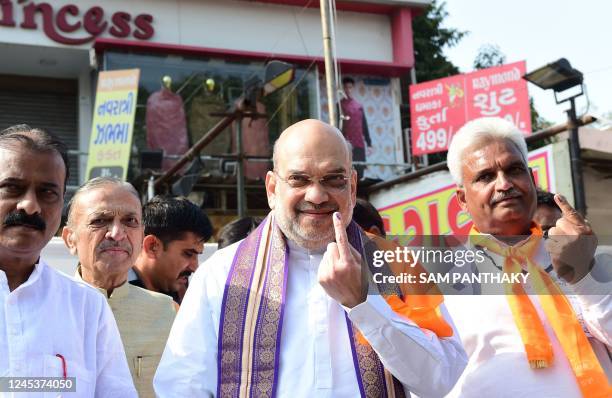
x,y
182,98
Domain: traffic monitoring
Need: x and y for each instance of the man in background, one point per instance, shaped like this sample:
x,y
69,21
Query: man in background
x,y
175,231
237,230
104,230
368,218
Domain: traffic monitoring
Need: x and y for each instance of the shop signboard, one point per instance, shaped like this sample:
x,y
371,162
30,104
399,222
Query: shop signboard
x,y
432,207
439,108
73,24
113,123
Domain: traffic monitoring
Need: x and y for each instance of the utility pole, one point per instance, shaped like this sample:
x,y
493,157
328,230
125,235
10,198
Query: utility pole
x,y
330,71
424,158
576,161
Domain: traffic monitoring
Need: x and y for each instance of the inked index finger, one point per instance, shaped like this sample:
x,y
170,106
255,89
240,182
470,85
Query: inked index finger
x,y
341,238
568,211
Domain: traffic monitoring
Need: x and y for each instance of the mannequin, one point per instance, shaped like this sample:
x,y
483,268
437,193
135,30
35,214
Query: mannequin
x,y
200,122
255,142
355,125
166,125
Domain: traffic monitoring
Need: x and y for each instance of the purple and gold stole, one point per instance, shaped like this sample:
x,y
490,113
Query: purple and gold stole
x,y
252,318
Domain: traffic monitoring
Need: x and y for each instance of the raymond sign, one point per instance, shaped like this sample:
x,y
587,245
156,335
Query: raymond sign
x,y
439,108
113,123
436,211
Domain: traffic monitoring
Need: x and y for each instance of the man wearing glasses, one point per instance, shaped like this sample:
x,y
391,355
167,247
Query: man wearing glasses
x,y
286,311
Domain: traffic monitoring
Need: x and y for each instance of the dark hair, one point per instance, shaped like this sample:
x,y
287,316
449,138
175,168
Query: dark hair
x,y
366,215
169,218
237,230
348,79
547,199
38,140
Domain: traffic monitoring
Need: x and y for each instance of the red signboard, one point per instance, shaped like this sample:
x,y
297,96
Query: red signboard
x,y
439,108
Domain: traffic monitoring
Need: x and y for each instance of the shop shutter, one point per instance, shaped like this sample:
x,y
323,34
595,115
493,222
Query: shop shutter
x,y
56,111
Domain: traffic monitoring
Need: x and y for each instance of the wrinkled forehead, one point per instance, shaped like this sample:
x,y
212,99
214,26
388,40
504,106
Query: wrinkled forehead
x,y
315,158
19,153
111,210
108,201
28,166
485,153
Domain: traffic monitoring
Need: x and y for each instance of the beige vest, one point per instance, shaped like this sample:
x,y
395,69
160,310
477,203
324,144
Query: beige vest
x,y
144,319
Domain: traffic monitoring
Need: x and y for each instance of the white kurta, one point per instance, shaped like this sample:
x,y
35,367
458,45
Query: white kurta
x,y
497,361
315,353
53,314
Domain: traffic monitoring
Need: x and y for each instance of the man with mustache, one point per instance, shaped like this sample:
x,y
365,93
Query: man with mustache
x,y
175,231
104,229
50,324
286,311
547,337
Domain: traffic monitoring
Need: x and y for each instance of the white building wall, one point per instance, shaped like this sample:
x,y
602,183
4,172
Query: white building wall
x,y
282,29
233,25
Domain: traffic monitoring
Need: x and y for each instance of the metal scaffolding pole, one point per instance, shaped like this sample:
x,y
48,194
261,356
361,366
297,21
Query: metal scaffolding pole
x,y
241,194
330,72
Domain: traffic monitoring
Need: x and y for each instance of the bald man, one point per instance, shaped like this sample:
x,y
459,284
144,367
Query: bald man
x,y
287,311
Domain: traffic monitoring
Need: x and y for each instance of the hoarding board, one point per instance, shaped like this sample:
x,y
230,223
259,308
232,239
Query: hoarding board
x,y
439,108
113,123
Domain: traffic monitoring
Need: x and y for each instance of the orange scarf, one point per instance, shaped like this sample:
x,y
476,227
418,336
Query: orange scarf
x,y
590,376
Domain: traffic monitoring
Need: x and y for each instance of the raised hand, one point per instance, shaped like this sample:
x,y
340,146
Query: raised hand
x,y
571,243
340,270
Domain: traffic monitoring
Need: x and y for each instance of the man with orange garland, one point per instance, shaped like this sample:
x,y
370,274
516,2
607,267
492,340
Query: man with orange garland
x,y
548,336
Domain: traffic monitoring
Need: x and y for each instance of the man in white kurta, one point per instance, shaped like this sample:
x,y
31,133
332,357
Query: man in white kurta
x,y
51,314
494,344
50,325
308,187
488,160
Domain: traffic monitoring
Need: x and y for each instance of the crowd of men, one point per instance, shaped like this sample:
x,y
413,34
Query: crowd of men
x,y
291,309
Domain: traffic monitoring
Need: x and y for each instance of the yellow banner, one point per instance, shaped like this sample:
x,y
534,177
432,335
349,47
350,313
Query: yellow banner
x,y
113,124
437,211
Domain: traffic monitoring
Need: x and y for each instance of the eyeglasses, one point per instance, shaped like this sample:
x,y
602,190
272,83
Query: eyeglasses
x,y
330,182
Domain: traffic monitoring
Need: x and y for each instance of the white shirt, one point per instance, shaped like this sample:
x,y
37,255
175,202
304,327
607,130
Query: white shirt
x,y
53,314
497,363
315,353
